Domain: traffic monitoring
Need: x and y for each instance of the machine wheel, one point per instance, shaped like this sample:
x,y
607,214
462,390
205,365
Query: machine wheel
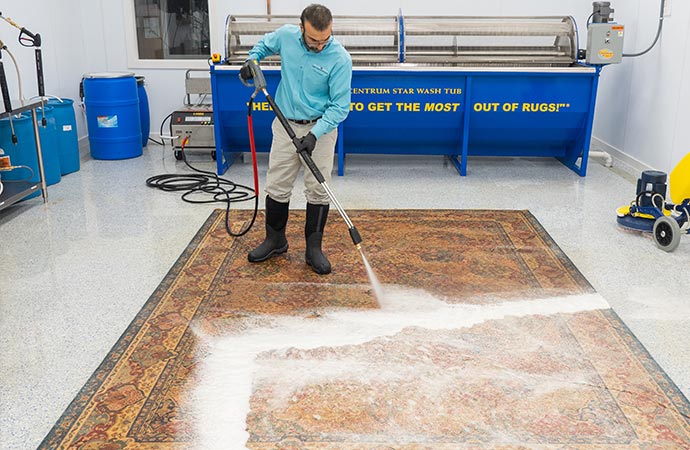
x,y
666,233
178,155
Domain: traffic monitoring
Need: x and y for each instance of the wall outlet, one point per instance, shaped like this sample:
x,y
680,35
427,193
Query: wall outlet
x,y
667,8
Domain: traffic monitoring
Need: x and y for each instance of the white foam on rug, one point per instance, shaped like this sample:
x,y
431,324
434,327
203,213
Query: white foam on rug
x,y
220,400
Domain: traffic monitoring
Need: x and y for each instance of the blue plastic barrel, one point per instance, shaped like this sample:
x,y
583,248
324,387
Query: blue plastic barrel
x,y
112,115
21,154
49,144
68,141
144,114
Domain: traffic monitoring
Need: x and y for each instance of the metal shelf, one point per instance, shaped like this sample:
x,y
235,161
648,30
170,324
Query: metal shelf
x,y
15,191
21,109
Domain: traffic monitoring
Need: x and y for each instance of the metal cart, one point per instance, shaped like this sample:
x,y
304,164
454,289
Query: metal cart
x,y
15,191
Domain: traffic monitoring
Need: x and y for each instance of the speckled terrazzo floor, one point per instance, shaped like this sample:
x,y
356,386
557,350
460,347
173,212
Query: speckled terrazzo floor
x,y
74,273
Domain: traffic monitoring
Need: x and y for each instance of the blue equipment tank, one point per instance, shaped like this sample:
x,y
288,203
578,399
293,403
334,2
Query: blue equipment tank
x,y
144,113
21,154
68,141
49,144
112,115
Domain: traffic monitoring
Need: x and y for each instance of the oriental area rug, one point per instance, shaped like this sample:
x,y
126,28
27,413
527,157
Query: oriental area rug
x,y
485,336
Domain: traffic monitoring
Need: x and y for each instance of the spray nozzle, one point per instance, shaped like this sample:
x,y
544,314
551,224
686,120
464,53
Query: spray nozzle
x,y
356,238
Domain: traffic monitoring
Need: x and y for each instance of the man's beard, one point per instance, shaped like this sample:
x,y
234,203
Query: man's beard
x,y
310,48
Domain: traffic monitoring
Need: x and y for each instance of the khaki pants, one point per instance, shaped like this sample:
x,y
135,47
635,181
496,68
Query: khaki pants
x,y
284,164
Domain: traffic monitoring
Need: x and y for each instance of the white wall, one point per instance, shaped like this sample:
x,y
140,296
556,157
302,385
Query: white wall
x,y
643,107
681,142
63,48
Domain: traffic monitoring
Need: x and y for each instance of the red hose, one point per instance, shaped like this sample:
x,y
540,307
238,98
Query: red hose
x,y
252,145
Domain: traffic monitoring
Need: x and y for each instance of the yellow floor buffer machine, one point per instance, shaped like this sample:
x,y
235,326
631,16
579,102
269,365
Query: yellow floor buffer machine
x,y
651,213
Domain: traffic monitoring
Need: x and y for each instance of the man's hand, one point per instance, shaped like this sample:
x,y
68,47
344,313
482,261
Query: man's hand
x,y
246,71
307,143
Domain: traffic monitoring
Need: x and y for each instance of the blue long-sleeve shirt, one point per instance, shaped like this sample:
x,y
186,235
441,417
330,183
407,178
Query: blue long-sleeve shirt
x,y
312,84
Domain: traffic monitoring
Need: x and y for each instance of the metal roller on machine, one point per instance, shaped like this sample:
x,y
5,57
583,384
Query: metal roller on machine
x,y
452,86
370,40
491,41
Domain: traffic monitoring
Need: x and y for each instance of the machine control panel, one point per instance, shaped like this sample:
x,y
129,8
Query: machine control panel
x,y
195,123
605,43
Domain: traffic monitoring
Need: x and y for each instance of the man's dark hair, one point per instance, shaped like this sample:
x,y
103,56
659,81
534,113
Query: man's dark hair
x,y
317,15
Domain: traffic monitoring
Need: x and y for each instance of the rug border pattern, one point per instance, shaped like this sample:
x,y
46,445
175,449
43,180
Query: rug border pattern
x,y
86,393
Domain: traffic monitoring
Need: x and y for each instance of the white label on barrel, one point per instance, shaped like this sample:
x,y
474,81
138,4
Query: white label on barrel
x,y
67,128
107,121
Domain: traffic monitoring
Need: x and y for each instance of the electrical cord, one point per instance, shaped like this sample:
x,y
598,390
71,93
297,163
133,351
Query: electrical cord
x,y
656,38
160,132
651,195
662,201
22,99
169,116
683,216
222,190
31,172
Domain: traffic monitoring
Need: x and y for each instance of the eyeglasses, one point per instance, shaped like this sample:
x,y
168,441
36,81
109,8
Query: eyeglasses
x,y
312,41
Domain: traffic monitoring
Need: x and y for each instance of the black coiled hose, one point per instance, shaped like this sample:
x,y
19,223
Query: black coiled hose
x,y
219,189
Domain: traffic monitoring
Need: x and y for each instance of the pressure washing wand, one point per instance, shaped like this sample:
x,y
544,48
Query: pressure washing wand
x,y
28,39
260,85
6,94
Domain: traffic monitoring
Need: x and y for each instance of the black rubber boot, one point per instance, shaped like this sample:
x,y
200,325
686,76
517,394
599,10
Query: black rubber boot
x,y
313,231
275,242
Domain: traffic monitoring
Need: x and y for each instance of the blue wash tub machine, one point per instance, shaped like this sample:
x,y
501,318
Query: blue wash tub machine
x,y
451,86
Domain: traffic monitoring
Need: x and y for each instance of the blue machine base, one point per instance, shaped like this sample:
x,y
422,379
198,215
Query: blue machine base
x,y
513,112
636,223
